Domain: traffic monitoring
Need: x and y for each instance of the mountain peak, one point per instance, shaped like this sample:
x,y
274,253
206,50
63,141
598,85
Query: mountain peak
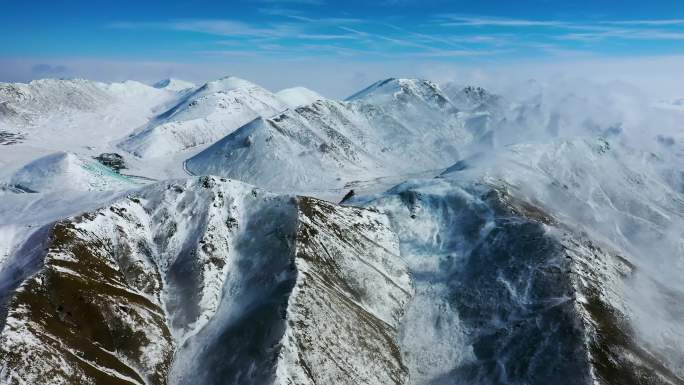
x,y
467,97
298,96
403,92
392,87
205,115
388,86
228,83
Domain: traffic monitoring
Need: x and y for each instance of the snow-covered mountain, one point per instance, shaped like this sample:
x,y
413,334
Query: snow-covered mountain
x,y
407,91
49,104
395,126
202,117
27,102
64,170
78,116
534,238
315,147
261,289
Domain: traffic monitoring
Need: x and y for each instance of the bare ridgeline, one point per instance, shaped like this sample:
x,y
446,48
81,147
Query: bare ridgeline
x,y
480,240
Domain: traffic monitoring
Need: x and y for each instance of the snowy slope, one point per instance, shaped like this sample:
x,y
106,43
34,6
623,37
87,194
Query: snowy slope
x,y
26,102
415,122
284,152
205,115
213,281
78,116
67,171
45,109
399,126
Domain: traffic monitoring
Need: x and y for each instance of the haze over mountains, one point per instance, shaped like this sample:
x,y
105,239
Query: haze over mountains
x,y
181,233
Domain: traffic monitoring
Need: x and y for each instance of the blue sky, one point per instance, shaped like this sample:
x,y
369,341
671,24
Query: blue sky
x,y
260,37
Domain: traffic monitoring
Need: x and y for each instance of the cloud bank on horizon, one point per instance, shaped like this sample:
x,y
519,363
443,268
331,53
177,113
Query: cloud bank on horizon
x,y
336,47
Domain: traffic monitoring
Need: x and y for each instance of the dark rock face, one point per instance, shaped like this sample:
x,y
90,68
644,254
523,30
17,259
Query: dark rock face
x,y
515,292
81,309
112,160
8,138
349,275
347,196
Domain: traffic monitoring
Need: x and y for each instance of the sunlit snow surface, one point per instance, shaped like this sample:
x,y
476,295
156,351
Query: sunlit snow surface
x,y
530,238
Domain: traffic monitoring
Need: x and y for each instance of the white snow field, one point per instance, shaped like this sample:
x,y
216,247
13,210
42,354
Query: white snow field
x,y
415,233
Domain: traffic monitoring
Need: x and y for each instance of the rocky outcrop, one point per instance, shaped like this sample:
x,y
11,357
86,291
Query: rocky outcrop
x,y
112,160
348,275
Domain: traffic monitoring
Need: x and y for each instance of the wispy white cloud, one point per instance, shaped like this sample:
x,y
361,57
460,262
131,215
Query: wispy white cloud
x,y
585,31
308,28
279,11
624,34
293,31
603,28
454,40
481,21
325,37
302,16
355,31
215,27
646,22
327,20
235,28
299,27
423,45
